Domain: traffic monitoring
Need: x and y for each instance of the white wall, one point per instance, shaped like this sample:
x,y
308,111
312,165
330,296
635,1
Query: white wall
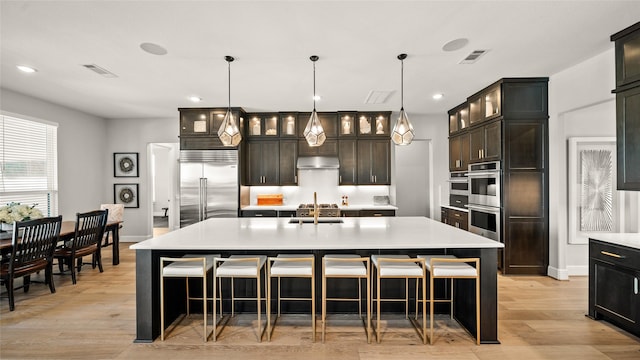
x,y
82,141
134,135
434,127
580,104
162,179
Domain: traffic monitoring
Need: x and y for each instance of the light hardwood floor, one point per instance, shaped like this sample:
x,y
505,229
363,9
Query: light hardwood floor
x,y
539,318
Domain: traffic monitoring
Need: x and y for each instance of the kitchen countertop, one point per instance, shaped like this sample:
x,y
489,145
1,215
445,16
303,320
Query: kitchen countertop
x,y
353,233
342,207
631,240
455,208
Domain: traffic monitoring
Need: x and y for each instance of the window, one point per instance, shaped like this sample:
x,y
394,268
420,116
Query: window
x,y
29,163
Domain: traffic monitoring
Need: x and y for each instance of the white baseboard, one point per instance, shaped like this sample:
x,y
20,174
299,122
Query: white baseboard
x,y
578,270
558,274
134,238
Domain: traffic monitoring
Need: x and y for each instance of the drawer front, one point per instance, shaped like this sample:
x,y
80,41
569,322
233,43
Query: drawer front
x,y
259,213
615,254
458,200
366,213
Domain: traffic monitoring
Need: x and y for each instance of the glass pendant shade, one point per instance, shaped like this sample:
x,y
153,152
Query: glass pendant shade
x,y
314,133
402,133
229,133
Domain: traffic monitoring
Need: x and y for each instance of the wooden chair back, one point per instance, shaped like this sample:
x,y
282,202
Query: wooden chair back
x,y
90,227
33,242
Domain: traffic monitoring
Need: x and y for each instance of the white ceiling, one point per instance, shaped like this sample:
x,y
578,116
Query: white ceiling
x,y
357,43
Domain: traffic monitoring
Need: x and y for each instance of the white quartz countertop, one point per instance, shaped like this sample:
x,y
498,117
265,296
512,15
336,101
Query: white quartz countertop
x,y
342,207
455,208
631,240
354,233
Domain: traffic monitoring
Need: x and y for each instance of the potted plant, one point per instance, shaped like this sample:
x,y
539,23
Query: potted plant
x,y
17,212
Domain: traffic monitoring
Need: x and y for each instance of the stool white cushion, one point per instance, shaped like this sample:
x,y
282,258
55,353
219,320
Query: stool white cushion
x,y
448,269
344,268
396,268
241,268
188,268
292,268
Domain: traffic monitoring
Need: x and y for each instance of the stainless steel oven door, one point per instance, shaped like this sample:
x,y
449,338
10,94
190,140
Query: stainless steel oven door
x,y
484,188
485,221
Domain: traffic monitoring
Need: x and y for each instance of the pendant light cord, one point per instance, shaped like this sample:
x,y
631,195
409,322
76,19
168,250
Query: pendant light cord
x,y
314,86
401,85
229,82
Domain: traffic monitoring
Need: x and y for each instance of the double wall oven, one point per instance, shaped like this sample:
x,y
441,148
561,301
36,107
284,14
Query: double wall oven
x,y
485,199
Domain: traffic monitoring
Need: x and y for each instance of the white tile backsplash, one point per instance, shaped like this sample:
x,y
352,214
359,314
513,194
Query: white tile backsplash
x,y
325,183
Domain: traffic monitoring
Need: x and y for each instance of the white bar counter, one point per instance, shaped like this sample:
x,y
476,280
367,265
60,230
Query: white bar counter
x,y
352,233
363,236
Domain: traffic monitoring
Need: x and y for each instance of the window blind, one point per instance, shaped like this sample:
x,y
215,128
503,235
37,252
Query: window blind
x,y
29,164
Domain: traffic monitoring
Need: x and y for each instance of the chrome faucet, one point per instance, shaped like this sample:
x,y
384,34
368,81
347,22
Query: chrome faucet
x,y
315,208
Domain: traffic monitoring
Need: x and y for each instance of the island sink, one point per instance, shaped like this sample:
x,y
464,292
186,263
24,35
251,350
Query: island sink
x,y
320,221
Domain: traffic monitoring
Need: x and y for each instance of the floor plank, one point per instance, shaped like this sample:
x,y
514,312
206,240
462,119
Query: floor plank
x,y
538,318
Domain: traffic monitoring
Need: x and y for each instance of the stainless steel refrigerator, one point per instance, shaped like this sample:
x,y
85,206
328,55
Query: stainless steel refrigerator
x,y
208,185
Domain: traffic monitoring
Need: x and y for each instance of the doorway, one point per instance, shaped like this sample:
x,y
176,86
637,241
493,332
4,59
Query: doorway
x,y
163,163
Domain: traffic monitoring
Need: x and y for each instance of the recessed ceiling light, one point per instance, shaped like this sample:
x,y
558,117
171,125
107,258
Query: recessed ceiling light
x,y
456,44
27,69
437,96
154,49
195,99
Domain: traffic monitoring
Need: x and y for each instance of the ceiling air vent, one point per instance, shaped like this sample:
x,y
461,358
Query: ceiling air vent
x,y
377,96
100,71
473,57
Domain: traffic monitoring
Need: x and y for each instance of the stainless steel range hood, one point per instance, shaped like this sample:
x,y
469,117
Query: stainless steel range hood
x,y
318,162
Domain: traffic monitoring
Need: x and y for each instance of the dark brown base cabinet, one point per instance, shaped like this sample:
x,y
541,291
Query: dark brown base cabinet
x,y
455,218
614,276
508,122
627,50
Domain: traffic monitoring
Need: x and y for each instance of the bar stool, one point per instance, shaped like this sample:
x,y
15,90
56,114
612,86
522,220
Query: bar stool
x,y
352,267
239,266
451,267
291,266
401,267
188,266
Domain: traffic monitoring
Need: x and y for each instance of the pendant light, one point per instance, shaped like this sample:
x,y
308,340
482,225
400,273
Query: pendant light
x,y
402,133
314,133
229,133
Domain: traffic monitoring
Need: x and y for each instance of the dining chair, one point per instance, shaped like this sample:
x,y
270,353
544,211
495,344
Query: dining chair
x,y
32,246
86,241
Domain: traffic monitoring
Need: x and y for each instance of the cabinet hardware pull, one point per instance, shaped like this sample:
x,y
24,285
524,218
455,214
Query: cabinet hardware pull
x,y
479,154
635,286
340,178
612,254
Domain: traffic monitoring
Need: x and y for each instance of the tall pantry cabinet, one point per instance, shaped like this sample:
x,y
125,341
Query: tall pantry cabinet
x,y
508,122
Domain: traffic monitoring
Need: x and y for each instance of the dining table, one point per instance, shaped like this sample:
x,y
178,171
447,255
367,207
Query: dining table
x,y
67,232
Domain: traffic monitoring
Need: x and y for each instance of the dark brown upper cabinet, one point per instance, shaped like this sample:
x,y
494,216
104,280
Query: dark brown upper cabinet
x,y
262,162
348,155
329,121
373,124
288,162
374,157
485,142
459,152
627,50
199,127
459,118
485,105
262,125
288,124
347,124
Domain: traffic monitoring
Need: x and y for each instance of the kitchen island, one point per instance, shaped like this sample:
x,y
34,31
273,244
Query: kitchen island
x,y
365,236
